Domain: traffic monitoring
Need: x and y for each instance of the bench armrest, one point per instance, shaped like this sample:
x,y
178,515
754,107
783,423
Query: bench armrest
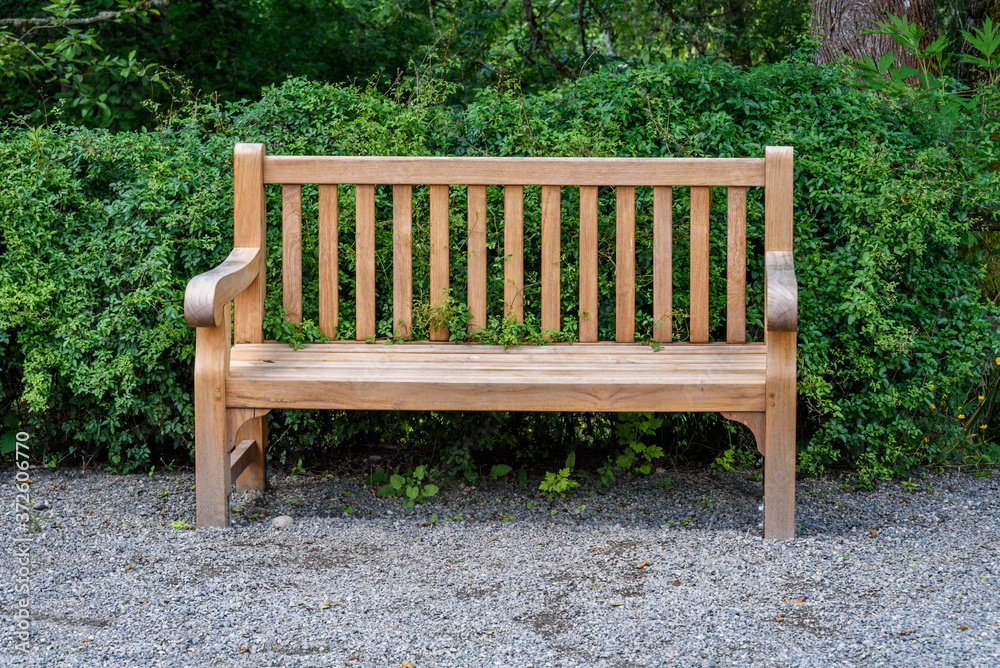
x,y
782,291
208,293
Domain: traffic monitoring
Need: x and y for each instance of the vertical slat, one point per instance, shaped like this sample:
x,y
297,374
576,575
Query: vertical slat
x,y
513,250
625,264
736,266
699,264
663,263
249,230
477,258
779,469
402,260
551,204
364,248
329,279
291,251
439,255
588,264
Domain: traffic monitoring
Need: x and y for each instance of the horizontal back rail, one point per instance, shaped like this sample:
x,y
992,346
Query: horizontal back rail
x,y
520,171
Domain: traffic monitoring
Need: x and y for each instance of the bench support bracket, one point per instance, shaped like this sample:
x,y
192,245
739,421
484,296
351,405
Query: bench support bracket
x,y
248,424
754,422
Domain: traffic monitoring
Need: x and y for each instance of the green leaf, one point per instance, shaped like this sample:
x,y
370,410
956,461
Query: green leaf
x,y
8,442
500,470
397,481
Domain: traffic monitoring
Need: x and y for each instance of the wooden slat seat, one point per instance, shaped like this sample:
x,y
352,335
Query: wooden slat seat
x,y
578,377
240,377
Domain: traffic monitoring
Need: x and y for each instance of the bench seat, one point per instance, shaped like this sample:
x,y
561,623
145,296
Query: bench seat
x,y
447,376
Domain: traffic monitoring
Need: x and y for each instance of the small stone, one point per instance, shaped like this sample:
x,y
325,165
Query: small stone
x,y
282,522
41,505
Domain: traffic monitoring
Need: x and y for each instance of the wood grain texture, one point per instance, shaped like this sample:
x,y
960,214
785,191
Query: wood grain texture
x,y
778,198
513,248
736,266
402,261
364,267
700,198
615,377
551,205
329,273
249,231
242,457
779,469
476,244
755,422
206,294
663,264
248,424
781,292
779,464
291,251
440,245
622,352
625,264
524,171
211,366
588,264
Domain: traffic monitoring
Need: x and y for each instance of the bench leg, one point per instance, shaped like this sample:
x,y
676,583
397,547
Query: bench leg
x,y
212,478
243,426
779,452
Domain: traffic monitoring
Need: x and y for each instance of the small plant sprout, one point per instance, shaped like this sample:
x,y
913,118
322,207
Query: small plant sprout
x,y
410,487
557,484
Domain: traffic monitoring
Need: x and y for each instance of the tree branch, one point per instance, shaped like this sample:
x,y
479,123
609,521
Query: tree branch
x,y
538,40
100,17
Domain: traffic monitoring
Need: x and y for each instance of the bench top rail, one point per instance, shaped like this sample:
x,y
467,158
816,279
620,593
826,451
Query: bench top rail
x,y
393,170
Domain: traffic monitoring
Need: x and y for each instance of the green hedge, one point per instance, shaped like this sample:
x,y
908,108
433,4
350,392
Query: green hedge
x,y
100,233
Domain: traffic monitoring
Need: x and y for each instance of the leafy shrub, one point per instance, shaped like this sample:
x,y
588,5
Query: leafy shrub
x,y
100,233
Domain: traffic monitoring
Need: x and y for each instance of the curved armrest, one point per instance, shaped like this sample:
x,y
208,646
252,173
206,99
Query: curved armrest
x,y
207,293
782,291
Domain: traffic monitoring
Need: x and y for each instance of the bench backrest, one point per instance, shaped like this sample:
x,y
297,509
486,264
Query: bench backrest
x,y
253,169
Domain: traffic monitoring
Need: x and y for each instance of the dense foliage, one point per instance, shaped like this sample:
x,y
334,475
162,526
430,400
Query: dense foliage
x,y
146,51
100,233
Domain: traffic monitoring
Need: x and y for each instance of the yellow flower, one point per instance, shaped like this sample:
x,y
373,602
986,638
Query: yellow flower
x,y
983,426
998,361
926,440
932,386
961,416
933,407
981,397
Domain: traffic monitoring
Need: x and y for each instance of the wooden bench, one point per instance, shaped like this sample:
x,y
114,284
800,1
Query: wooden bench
x,y
236,385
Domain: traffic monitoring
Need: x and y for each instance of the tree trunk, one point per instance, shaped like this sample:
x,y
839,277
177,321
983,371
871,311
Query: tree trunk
x,y
841,24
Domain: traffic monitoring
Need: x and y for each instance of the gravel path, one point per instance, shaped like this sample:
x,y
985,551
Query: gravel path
x,y
667,570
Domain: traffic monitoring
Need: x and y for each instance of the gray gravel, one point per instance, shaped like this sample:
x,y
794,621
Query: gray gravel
x,y
899,576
